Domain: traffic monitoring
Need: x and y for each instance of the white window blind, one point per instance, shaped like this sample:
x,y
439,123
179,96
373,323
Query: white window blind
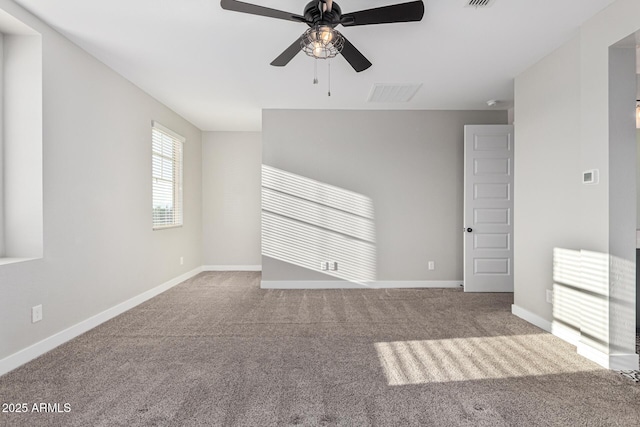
x,y
167,149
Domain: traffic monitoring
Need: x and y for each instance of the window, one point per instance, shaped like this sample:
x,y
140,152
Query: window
x,y
166,177
21,152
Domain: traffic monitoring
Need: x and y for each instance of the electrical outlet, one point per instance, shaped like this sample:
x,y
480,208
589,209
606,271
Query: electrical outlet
x,y
333,265
36,313
550,296
181,260
432,265
324,266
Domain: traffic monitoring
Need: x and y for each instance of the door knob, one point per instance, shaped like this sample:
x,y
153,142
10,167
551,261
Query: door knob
x,y
469,230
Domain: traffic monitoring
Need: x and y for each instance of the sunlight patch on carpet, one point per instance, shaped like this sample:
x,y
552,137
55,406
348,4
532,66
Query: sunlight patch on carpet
x,y
476,358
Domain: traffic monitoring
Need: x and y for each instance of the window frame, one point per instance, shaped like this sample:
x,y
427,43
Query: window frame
x,y
21,144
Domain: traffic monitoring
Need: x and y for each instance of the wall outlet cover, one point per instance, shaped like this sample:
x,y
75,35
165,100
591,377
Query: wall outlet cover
x,y
549,296
36,313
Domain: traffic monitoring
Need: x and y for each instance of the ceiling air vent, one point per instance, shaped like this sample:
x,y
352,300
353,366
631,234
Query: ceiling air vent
x,y
478,3
383,92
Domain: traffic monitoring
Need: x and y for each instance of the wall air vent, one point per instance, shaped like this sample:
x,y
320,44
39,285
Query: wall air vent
x,y
478,3
384,92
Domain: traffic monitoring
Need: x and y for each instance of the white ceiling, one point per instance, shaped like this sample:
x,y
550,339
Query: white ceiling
x,y
212,66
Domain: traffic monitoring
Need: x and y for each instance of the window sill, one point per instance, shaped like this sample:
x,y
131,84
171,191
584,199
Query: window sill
x,y
165,227
6,261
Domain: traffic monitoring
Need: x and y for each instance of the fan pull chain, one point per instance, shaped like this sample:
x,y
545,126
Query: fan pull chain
x,y
329,77
315,71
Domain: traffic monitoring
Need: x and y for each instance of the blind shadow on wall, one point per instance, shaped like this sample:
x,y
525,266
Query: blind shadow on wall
x,y
306,223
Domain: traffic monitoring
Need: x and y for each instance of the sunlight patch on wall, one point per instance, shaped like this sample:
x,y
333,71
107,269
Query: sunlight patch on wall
x,y
317,192
318,215
590,291
307,222
566,293
581,289
622,297
475,358
594,304
575,296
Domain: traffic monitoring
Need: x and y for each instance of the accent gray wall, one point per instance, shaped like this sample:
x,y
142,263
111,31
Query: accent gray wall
x,y
99,247
409,164
231,198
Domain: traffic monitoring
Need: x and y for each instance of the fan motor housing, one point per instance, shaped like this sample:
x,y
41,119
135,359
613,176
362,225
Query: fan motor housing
x,y
315,17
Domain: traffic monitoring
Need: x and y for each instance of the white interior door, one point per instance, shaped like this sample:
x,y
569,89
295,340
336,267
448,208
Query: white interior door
x,y
488,208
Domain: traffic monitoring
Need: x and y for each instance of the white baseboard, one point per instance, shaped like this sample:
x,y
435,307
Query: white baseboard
x,y
565,333
15,360
341,284
531,317
231,268
617,362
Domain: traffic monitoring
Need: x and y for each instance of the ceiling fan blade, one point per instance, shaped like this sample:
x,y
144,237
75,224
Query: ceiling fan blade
x,y
354,57
288,54
404,12
253,9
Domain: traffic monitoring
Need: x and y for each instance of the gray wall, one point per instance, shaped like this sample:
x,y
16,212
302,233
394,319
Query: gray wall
x,y
99,248
638,179
622,196
562,127
407,164
231,198
573,113
547,173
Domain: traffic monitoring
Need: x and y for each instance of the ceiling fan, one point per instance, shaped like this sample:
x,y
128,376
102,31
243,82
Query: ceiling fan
x,y
322,40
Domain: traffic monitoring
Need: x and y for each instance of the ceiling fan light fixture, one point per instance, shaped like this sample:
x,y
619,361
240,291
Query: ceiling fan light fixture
x,y
322,42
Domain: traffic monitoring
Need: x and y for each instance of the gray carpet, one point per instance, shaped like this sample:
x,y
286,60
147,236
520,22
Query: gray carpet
x,y
217,350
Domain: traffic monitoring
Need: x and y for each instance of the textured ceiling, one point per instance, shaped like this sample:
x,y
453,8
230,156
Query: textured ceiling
x,y
212,66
